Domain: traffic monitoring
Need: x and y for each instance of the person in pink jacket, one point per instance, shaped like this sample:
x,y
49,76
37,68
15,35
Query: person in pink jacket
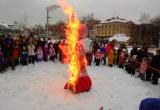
x,y
52,52
39,54
143,68
98,57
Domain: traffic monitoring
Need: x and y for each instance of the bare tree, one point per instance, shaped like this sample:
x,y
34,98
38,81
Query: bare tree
x,y
144,18
60,22
38,29
156,20
90,16
84,19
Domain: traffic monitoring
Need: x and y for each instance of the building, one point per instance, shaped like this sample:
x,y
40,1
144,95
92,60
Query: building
x,y
112,26
149,34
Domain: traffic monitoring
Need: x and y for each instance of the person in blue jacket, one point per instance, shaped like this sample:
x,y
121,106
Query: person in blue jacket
x,y
2,68
24,56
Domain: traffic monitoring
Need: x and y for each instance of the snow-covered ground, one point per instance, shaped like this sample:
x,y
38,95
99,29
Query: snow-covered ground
x,y
40,87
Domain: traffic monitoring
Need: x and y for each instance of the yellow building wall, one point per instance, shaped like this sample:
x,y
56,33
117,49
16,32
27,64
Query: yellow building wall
x,y
110,29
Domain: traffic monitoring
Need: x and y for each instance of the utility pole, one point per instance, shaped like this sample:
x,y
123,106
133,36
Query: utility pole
x,y
50,8
25,20
47,26
159,39
139,38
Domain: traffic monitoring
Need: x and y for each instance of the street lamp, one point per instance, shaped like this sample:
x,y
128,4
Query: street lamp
x,y
139,37
50,8
159,39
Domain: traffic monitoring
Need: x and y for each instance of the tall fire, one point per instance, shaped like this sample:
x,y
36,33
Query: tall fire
x,y
74,51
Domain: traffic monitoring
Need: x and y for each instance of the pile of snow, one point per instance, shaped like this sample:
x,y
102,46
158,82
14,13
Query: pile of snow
x,y
40,87
119,38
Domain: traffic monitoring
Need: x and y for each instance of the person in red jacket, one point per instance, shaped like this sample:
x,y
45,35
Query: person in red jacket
x,y
110,46
98,57
15,57
122,58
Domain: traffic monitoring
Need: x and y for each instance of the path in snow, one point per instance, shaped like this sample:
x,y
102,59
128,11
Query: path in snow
x,y
41,88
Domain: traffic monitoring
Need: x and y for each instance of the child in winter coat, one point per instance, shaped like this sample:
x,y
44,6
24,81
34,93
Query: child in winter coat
x,y
98,57
39,54
143,68
116,57
111,58
2,68
52,52
103,52
122,58
155,63
45,52
31,52
149,70
15,57
131,65
24,56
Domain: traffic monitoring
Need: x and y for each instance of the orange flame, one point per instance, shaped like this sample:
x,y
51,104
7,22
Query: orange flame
x,y
76,64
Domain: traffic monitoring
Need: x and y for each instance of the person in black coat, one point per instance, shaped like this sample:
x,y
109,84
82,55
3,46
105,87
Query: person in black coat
x,y
155,63
134,51
141,54
149,70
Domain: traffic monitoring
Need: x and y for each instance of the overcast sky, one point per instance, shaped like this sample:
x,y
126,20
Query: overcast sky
x,y
34,10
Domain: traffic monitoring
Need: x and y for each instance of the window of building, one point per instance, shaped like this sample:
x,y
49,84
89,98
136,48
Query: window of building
x,y
114,25
104,33
108,33
101,33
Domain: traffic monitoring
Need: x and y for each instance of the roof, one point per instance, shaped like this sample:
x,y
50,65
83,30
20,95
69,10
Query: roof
x,y
3,24
116,19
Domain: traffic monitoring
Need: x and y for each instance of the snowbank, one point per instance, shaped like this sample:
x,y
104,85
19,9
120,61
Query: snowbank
x,y
40,87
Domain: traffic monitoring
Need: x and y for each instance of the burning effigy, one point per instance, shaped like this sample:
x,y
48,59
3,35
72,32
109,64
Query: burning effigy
x,y
74,51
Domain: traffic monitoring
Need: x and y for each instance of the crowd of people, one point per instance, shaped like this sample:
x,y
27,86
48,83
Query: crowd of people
x,y
146,64
16,50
